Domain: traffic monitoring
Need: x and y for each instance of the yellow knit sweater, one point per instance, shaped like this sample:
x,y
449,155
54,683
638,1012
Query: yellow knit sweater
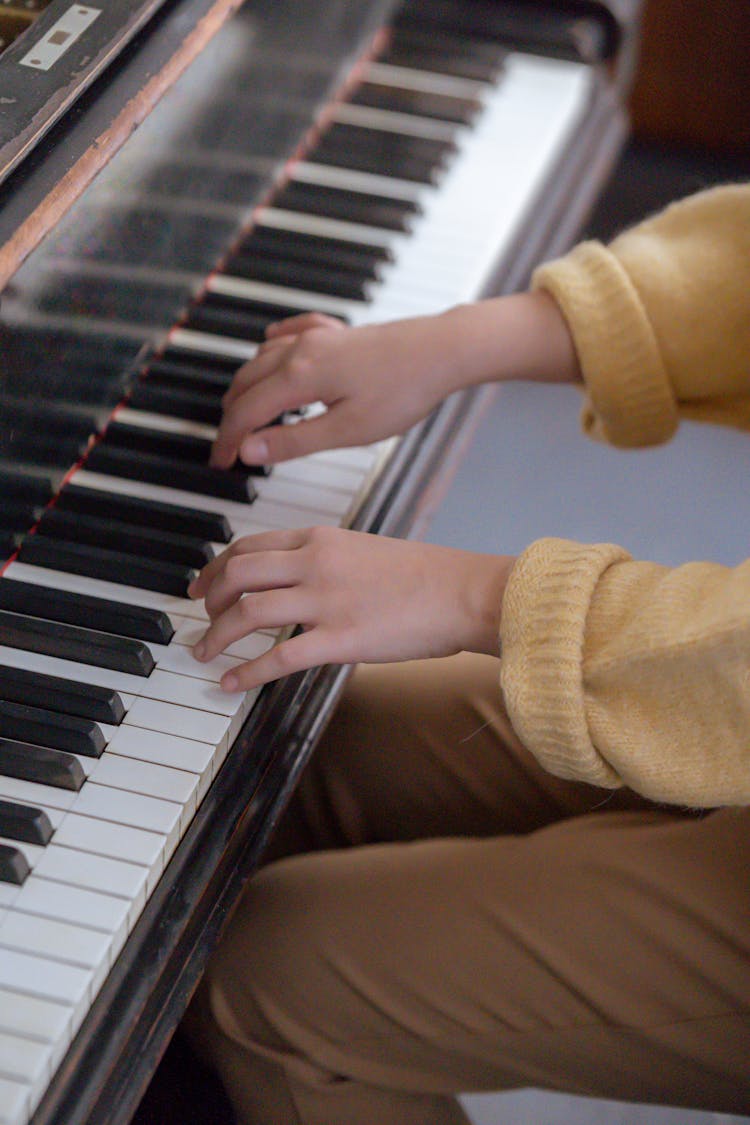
x,y
620,672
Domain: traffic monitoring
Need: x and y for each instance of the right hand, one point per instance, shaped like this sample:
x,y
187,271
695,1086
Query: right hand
x,y
375,381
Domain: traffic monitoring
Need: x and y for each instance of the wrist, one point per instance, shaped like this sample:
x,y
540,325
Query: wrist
x,y
519,337
485,591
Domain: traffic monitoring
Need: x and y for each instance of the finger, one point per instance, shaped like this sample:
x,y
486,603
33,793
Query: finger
x,y
278,540
293,325
268,609
305,650
254,408
267,359
283,443
251,573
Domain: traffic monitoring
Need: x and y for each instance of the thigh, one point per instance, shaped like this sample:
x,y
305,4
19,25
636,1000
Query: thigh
x,y
423,749
605,955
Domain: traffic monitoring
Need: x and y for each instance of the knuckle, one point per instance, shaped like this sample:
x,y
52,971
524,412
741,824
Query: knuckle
x,y
283,659
246,609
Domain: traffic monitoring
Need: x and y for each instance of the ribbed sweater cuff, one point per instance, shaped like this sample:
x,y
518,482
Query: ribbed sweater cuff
x,y
542,634
630,399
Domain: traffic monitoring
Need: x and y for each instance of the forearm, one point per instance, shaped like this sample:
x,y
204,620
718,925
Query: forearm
x,y
523,337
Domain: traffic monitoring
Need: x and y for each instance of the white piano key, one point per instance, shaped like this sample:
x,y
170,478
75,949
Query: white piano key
x,y
50,980
117,841
297,221
165,750
248,648
207,344
245,290
23,1059
322,474
180,661
181,721
32,793
95,909
32,852
14,1101
59,941
148,779
425,81
329,175
391,121
188,692
280,490
127,595
42,1020
272,515
92,872
165,423
137,810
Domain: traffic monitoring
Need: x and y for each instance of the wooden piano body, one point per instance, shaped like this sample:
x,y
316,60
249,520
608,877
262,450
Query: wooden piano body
x,y
118,253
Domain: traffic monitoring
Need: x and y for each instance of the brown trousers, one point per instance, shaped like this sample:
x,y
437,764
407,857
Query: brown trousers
x,y
449,917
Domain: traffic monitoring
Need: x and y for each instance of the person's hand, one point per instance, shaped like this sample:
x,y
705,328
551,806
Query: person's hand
x,y
375,380
358,597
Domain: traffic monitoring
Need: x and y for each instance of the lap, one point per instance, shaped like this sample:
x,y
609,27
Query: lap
x,y
442,915
426,749
604,955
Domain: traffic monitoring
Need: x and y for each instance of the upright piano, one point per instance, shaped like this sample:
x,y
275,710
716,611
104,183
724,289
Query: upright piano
x,y
174,175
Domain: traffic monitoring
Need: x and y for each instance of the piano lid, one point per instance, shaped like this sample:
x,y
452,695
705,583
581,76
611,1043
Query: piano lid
x,y
53,61
111,62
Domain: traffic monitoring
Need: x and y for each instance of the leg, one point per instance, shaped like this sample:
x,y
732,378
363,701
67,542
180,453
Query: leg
x,y
603,955
425,749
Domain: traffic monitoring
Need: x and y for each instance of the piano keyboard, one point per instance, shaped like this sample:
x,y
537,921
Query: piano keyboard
x,y
416,186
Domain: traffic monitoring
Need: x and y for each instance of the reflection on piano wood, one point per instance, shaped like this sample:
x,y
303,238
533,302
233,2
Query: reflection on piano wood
x,y
416,182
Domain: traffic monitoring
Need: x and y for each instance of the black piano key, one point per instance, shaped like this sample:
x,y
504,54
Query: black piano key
x,y
72,642
192,377
191,449
46,728
138,622
297,275
441,53
456,111
389,145
66,697
117,536
16,513
24,823
37,763
220,483
234,321
341,254
350,206
26,488
109,566
401,167
150,395
217,364
13,865
141,512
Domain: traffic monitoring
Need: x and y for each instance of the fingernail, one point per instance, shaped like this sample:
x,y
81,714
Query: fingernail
x,y
199,651
230,683
254,451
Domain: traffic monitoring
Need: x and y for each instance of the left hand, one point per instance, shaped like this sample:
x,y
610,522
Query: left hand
x,y
358,597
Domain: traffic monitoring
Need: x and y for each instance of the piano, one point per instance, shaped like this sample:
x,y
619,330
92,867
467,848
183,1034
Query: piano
x,y
174,175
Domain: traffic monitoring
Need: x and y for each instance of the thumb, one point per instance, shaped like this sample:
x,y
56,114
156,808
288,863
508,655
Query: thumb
x,y
282,443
